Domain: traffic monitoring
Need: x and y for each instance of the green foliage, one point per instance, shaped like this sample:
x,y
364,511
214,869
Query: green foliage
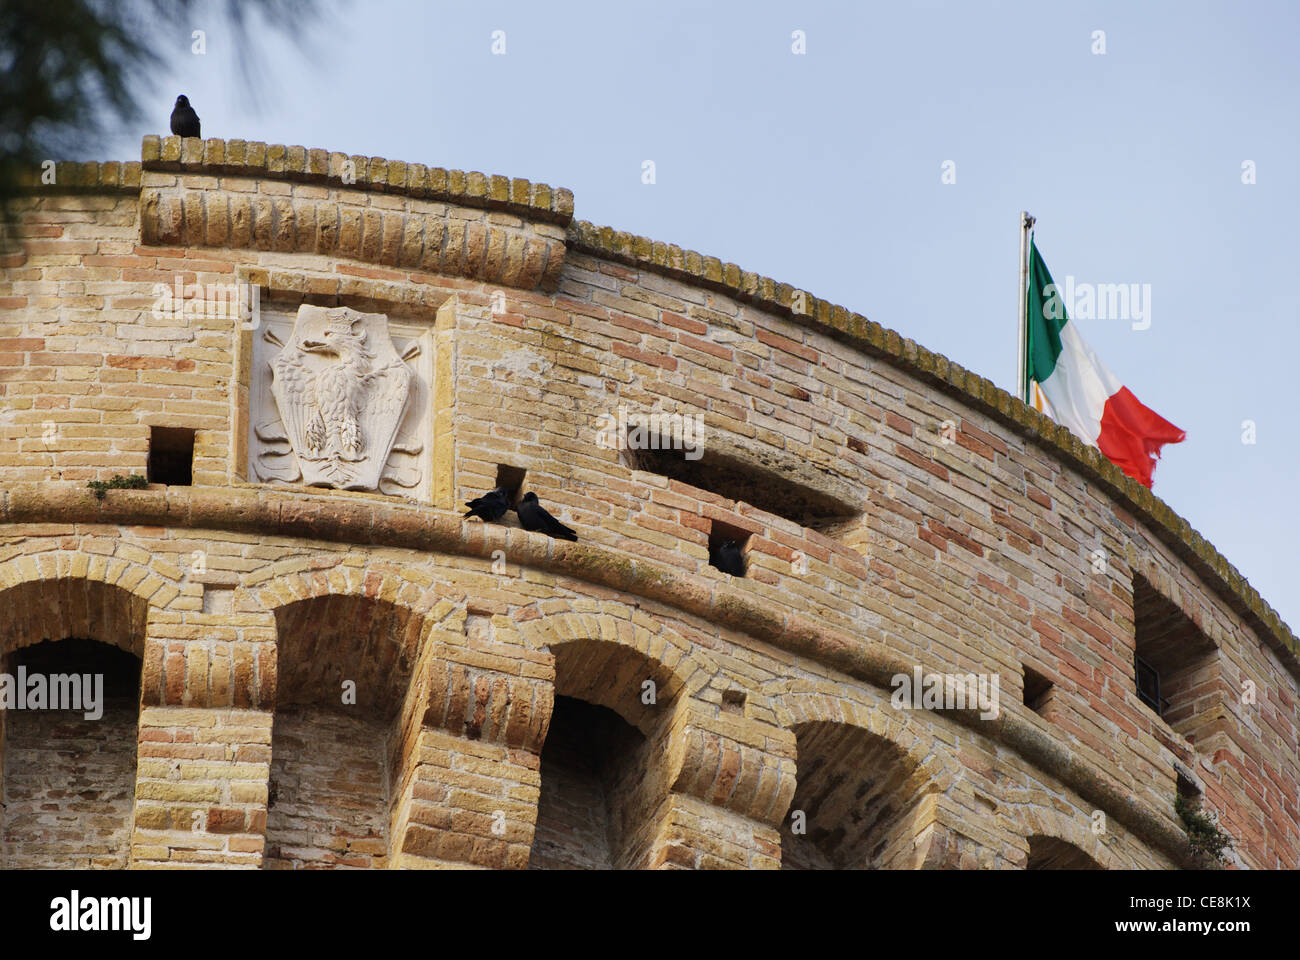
x,y
1204,835
118,482
73,72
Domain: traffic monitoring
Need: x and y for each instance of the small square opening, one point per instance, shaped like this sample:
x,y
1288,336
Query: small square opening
x,y
1187,788
733,701
511,479
1037,689
171,456
727,548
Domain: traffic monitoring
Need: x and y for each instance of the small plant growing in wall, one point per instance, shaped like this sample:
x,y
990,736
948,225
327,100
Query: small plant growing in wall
x,y
1207,840
118,482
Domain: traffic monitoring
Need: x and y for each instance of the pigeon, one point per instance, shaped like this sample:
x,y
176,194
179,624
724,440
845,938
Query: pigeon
x,y
490,507
185,122
534,517
726,557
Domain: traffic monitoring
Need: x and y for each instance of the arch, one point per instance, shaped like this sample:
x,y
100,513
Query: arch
x,y
348,644
604,658
1053,853
1059,841
68,768
86,623
607,750
385,605
794,707
851,789
291,585
863,776
327,640
91,591
344,594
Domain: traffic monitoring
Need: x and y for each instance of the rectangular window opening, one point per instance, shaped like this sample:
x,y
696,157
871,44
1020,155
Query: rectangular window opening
x,y
1175,665
512,479
1148,686
733,701
1037,689
171,456
723,476
727,548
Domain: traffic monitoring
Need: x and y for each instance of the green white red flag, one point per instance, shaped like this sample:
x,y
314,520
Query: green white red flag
x,y
1082,394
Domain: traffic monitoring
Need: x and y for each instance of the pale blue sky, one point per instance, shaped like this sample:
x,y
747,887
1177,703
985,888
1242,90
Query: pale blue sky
x,y
823,170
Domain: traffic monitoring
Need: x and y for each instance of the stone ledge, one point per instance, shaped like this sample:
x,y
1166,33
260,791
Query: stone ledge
x,y
339,519
293,287
536,201
983,395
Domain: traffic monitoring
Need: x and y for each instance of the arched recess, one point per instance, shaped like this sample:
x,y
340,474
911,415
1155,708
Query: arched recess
x,y
67,776
678,664
40,609
600,779
866,788
707,779
604,768
1051,836
1053,853
344,662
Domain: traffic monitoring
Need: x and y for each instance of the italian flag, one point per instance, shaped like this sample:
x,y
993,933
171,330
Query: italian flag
x,y
1081,393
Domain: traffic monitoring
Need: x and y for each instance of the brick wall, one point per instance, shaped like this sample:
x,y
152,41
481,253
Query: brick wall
x,y
201,787
573,811
329,786
68,788
67,782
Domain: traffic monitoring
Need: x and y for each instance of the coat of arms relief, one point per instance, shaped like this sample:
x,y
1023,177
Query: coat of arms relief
x,y
339,399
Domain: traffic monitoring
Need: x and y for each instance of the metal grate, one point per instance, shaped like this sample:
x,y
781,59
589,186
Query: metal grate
x,y
1148,686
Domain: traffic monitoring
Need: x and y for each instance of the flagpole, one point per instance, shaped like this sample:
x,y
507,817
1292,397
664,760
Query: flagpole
x,y
1022,365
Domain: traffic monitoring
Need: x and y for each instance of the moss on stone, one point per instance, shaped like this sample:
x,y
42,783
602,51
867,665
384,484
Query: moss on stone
x,y
117,482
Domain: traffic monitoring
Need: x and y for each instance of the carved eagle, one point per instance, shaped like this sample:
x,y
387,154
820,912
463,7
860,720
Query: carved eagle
x,y
341,398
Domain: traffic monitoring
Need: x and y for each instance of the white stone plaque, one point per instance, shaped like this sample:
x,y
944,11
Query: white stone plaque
x,y
340,399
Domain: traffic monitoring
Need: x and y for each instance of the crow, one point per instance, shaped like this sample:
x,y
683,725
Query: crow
x,y
534,517
185,122
726,557
490,507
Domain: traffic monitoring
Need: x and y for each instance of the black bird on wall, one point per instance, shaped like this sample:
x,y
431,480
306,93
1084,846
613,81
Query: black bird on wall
x,y
533,516
185,122
726,557
490,507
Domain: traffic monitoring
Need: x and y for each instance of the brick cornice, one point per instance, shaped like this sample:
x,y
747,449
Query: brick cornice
x,y
375,521
532,201
434,241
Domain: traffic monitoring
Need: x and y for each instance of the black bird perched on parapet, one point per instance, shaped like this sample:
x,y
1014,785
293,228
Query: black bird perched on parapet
x,y
726,557
185,122
534,517
490,507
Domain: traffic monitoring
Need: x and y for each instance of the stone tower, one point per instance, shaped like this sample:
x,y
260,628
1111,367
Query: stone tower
x,y
961,638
